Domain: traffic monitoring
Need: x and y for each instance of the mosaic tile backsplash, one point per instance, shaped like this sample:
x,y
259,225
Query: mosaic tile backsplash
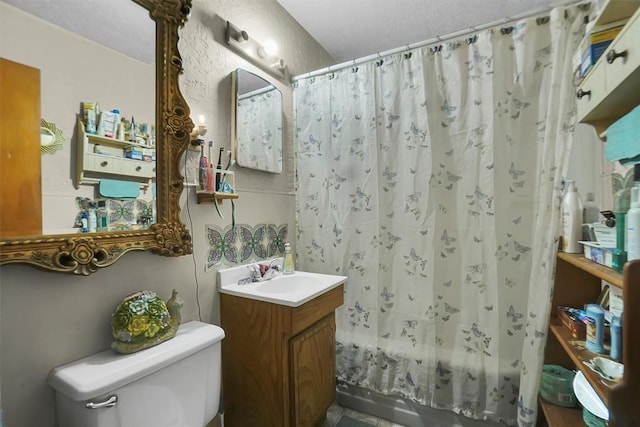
x,y
230,246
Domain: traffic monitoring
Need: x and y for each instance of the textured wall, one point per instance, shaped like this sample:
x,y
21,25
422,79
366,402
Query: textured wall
x,y
49,319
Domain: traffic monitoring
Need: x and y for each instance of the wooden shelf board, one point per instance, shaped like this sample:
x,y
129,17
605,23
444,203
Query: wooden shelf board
x,y
558,416
579,355
600,271
207,197
616,10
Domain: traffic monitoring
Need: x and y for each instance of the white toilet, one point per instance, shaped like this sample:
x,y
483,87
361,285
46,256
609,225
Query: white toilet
x,y
176,383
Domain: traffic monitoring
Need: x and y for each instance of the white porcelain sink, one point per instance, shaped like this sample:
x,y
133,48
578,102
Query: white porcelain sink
x,y
292,290
293,283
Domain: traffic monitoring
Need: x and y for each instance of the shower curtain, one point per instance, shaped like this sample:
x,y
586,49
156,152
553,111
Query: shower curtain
x,y
432,179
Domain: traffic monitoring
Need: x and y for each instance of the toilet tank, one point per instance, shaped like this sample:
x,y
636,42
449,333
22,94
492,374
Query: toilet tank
x,y
176,383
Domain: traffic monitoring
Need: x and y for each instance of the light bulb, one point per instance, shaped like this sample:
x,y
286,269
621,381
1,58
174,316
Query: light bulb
x,y
201,119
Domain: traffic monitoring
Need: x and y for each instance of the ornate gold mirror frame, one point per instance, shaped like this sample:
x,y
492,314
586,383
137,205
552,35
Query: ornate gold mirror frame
x,y
86,253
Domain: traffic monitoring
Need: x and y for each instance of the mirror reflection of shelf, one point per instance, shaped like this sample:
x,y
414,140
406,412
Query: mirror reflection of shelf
x,y
208,197
102,157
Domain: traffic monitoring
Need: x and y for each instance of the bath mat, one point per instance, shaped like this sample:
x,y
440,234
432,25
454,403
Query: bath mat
x,y
346,421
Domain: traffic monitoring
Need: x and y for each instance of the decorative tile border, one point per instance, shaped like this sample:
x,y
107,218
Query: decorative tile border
x,y
230,246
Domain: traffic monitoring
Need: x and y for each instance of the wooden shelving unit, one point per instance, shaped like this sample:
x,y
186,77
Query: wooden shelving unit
x,y
578,282
559,416
594,269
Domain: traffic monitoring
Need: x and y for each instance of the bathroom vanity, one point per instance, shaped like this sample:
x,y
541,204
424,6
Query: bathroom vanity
x,y
278,358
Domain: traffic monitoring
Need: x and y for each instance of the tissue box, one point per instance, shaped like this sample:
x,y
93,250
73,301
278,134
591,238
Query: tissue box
x,y
598,253
133,153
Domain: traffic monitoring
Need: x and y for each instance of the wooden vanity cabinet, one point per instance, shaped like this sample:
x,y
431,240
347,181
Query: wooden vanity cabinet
x,y
278,362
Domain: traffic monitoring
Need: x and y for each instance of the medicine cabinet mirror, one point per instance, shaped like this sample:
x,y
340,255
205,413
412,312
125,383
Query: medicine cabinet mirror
x,y
256,122
85,253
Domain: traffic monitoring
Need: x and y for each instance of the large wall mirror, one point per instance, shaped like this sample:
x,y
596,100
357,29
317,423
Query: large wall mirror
x,y
131,178
257,122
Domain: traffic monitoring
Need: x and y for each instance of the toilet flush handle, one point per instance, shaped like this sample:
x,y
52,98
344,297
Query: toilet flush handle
x,y
111,401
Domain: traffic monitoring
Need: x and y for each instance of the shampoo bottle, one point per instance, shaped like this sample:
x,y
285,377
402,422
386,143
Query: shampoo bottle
x,y
571,220
288,260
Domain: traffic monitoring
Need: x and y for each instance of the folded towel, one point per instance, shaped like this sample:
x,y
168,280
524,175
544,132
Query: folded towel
x,y
119,189
623,139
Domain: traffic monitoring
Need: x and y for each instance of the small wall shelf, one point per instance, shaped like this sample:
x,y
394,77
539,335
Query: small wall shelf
x,y
208,196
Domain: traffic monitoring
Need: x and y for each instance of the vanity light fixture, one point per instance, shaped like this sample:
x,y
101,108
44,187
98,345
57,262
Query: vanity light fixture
x,y
198,130
264,56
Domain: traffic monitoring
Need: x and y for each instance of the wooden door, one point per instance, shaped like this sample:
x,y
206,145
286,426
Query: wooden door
x,y
313,368
20,191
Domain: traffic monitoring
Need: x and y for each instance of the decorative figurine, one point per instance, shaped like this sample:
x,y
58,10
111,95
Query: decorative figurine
x,y
143,320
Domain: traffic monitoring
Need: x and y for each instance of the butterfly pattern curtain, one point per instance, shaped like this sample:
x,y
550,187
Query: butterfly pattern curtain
x,y
432,180
259,118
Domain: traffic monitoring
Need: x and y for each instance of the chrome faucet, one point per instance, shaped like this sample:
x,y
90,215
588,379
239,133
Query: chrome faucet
x,y
260,272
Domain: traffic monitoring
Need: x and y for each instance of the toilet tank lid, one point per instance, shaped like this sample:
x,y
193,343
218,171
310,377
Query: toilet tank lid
x,y
106,371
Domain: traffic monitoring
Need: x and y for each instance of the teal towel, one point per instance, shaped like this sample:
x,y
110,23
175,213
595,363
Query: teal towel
x,y
623,139
119,189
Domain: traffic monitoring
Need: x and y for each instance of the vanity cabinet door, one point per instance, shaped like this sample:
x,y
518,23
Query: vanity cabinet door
x,y
313,367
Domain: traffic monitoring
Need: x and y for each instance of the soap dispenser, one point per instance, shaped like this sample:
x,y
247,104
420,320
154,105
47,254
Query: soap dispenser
x,y
288,267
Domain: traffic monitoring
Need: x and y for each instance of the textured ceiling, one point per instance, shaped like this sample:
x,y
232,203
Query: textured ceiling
x,y
347,29
350,29
120,25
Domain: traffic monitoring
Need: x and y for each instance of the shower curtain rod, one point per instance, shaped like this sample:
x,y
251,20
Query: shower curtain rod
x,y
436,39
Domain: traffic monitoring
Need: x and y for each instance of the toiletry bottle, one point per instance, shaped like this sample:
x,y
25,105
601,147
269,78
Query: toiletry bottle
x,y
83,220
616,338
595,328
621,206
591,210
633,225
93,220
571,220
202,175
210,174
288,260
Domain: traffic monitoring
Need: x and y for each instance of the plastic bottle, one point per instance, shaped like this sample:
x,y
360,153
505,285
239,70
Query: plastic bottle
x,y
633,225
616,338
591,210
202,175
621,206
83,221
288,260
595,328
93,221
210,174
572,215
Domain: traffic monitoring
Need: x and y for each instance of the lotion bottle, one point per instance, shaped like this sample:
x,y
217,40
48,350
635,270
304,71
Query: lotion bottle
x,y
288,267
93,221
572,216
633,225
